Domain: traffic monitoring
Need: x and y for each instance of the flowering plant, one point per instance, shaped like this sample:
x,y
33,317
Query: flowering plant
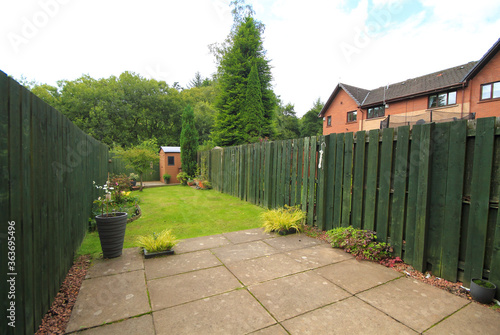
x,y
105,200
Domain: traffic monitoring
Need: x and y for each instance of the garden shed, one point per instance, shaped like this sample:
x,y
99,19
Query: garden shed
x,y
170,162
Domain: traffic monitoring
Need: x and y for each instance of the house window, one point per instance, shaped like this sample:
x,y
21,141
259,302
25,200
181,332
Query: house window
x,y
352,116
328,121
171,160
374,112
443,99
490,91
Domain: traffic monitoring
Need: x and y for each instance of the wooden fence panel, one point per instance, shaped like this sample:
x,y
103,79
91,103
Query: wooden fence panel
x,y
347,179
371,180
339,172
305,172
358,180
384,184
330,178
322,172
311,181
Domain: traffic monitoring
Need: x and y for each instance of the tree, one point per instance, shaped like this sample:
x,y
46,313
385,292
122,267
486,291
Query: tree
x,y
189,142
139,158
253,110
310,123
287,122
242,50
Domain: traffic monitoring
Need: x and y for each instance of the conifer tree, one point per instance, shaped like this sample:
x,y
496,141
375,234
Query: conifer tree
x,y
253,110
189,142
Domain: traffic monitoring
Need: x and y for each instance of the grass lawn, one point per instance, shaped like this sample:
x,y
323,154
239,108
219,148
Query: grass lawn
x,y
188,212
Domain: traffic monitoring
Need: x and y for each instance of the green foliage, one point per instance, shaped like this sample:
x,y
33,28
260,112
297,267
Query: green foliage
x,y
189,142
311,124
253,109
166,176
157,242
287,123
183,178
242,50
139,158
283,218
483,283
360,243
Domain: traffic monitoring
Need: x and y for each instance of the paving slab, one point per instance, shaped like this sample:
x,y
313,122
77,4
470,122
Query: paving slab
x,y
232,313
349,316
243,251
319,255
201,243
413,303
141,325
355,276
265,268
109,298
472,319
273,330
248,235
296,294
130,260
176,264
292,242
179,289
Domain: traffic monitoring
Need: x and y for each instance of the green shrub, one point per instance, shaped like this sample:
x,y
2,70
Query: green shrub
x,y
157,242
284,218
182,177
360,243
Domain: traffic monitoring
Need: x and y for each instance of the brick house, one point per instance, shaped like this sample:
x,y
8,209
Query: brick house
x,y
170,162
466,91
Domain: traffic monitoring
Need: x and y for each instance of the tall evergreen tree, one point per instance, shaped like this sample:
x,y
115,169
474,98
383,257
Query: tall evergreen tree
x,y
242,49
252,113
310,123
189,142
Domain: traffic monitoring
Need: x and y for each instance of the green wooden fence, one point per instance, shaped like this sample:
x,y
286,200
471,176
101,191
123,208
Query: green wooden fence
x,y
47,169
118,166
432,191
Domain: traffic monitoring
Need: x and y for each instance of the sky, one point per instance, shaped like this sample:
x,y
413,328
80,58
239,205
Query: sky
x,y
312,45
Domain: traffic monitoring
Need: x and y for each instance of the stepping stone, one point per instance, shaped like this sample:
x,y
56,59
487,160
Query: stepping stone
x,y
472,319
413,303
318,256
264,268
355,276
109,298
247,235
290,296
130,260
176,264
179,289
142,325
349,316
236,312
292,242
243,251
201,243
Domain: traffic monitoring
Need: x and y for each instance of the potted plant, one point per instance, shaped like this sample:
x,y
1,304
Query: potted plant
x,y
285,220
182,177
111,226
157,244
482,291
191,182
166,178
133,179
205,184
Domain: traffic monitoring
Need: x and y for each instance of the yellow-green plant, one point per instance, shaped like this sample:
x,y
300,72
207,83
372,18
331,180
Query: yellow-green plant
x,y
283,218
157,242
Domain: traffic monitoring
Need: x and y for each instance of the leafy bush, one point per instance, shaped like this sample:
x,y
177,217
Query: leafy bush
x,y
360,243
166,177
284,218
157,242
183,177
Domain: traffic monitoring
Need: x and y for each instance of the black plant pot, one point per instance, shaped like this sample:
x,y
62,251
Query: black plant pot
x,y
480,293
111,230
287,231
148,255
133,183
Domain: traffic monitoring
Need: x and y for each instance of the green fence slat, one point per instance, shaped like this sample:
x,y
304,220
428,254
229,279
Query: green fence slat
x,y
288,162
300,160
305,173
322,172
480,197
382,224
312,181
453,208
339,173
347,182
267,176
371,180
330,178
358,180
293,188
399,195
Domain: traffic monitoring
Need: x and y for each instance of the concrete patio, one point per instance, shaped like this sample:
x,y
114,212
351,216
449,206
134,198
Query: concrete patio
x,y
249,282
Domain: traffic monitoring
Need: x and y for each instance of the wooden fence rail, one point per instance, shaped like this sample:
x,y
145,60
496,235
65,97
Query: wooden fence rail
x,y
46,193
431,191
